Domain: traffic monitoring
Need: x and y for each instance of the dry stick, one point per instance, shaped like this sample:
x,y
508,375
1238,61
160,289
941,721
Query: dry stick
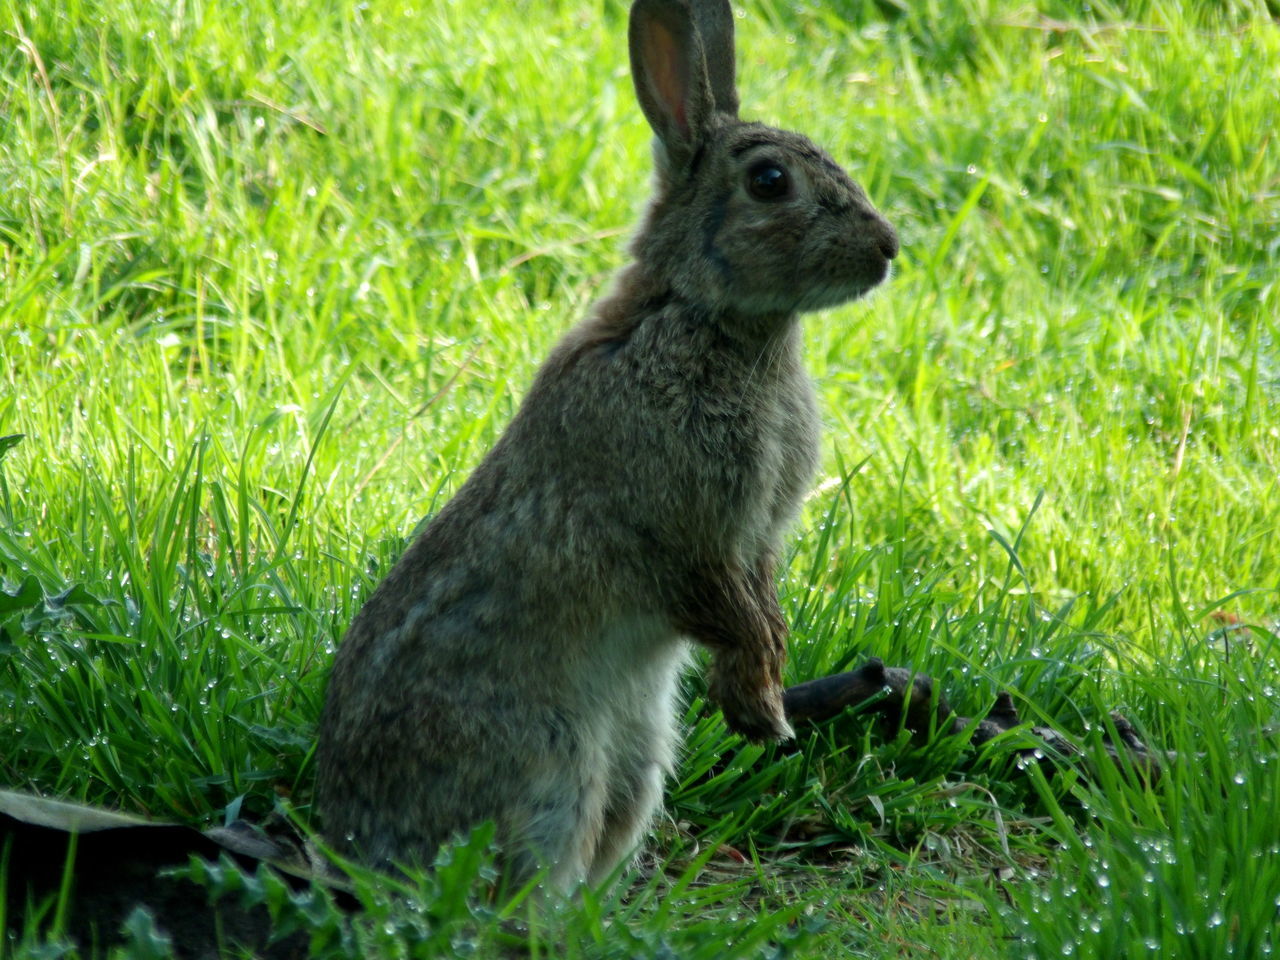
x,y
886,691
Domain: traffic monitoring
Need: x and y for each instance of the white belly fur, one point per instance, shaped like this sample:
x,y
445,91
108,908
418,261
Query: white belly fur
x,y
629,698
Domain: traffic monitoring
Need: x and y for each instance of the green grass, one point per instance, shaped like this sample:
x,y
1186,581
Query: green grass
x,y
274,276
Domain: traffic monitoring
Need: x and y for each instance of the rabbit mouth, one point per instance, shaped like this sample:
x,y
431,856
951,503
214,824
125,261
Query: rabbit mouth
x,y
826,296
816,295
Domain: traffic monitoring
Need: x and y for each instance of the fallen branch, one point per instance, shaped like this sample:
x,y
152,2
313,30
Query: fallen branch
x,y
904,699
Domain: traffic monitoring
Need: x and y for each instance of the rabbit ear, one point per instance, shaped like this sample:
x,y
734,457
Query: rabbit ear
x,y
670,73
714,19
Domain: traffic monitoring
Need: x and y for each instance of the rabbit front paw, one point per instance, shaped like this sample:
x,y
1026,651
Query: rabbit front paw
x,y
751,703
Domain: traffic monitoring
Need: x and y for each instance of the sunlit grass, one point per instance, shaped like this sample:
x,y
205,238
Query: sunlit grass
x,y
273,277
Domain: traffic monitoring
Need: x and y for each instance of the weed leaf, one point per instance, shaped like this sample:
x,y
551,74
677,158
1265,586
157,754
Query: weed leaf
x,y
26,595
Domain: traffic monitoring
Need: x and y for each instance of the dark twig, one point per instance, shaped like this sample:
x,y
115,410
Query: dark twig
x,y
884,691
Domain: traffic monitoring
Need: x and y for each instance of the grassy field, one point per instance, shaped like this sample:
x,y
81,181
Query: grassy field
x,y
274,276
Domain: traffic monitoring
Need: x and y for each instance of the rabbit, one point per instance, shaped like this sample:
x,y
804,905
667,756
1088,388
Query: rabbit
x,y
521,662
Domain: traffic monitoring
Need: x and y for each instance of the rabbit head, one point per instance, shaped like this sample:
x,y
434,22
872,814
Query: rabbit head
x,y
746,220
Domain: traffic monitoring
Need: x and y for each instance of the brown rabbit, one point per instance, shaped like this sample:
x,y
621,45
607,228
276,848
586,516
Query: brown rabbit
x,y
521,662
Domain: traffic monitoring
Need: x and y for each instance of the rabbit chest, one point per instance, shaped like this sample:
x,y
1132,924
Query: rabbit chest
x,y
674,443
763,448
738,444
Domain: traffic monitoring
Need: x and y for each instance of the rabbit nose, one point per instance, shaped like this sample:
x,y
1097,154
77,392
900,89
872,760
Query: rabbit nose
x,y
887,239
884,236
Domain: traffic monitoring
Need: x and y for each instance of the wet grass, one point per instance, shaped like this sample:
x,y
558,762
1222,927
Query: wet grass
x,y
274,276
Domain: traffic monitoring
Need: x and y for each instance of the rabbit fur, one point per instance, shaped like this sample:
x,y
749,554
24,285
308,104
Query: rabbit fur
x,y
521,662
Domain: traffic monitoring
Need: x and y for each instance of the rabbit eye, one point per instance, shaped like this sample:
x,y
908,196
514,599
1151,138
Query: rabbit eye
x,y
768,182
